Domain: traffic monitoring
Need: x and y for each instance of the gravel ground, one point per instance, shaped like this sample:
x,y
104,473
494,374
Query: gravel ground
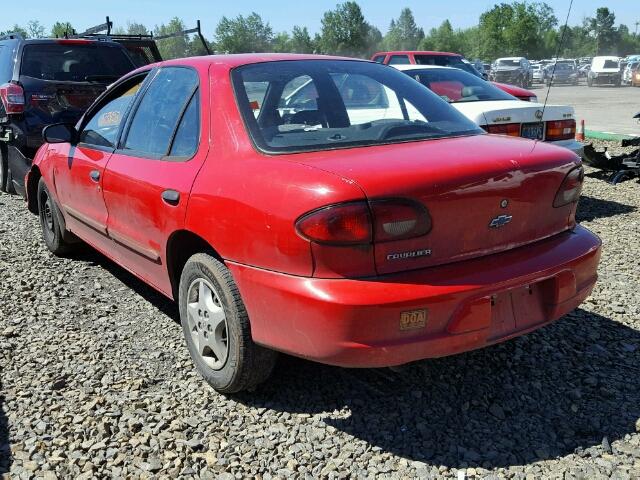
x,y
95,381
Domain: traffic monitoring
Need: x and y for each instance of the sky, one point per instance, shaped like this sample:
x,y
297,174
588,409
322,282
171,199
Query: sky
x,y
284,14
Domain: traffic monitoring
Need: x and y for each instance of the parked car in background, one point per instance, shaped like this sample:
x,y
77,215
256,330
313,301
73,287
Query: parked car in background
x,y
583,71
404,231
497,111
635,77
446,59
479,66
605,70
537,73
512,70
562,71
627,74
44,81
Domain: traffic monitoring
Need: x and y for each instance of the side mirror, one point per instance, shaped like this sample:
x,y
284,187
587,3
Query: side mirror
x,y
60,133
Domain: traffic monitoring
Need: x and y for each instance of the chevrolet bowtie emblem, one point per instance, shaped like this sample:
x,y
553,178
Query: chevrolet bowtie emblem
x,y
500,221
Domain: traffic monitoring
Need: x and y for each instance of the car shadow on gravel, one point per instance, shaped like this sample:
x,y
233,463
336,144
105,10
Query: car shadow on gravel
x,y
5,448
553,392
591,208
88,255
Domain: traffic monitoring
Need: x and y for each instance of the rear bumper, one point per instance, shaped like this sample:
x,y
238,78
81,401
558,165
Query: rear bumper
x,y
573,145
468,305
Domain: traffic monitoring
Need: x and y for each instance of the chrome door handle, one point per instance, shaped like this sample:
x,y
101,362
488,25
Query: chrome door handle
x,y
95,175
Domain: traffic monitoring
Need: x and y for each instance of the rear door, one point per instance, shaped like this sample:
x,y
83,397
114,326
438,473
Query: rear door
x,y
148,179
79,169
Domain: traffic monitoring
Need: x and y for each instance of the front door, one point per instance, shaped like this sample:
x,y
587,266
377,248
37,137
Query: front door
x,y
79,168
148,179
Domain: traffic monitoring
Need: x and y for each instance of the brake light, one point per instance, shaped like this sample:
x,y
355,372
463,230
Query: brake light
x,y
570,188
12,97
561,130
357,223
73,41
340,224
510,129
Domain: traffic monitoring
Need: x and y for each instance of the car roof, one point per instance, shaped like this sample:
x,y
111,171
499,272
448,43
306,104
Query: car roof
x,y
239,59
510,58
607,57
416,52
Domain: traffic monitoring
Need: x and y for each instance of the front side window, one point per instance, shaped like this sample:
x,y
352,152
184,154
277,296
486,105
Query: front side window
x,y
102,128
340,103
157,116
379,58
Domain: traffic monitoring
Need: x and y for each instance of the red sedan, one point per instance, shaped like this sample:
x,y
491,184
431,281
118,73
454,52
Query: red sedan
x,y
364,223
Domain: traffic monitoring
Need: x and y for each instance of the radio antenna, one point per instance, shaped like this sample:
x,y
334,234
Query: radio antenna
x,y
553,71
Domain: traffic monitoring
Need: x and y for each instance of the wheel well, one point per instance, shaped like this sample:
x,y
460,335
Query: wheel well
x,y
32,189
180,247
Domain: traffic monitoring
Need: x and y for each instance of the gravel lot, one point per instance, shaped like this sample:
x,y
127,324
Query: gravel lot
x,y
95,381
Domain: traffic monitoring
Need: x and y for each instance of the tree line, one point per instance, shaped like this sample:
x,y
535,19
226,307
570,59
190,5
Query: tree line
x,y
519,28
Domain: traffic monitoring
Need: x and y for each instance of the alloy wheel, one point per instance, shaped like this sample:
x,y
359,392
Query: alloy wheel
x,y
207,323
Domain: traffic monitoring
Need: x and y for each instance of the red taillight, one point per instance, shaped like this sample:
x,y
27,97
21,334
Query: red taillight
x,y
561,130
357,223
340,224
511,129
12,97
570,188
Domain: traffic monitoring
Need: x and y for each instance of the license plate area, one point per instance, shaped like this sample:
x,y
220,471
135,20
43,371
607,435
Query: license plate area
x,y
533,131
520,308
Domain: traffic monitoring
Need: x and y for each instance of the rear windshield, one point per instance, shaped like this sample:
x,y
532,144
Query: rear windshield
x,y
75,62
304,105
456,86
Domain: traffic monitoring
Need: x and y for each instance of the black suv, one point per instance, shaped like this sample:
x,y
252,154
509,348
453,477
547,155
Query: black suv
x,y
47,81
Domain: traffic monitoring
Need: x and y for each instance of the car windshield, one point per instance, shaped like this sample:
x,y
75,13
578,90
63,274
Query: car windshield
x,y
508,63
304,105
75,62
456,86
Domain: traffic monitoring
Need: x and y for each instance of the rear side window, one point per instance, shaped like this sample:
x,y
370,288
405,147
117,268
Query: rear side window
x,y
157,116
399,60
185,143
75,62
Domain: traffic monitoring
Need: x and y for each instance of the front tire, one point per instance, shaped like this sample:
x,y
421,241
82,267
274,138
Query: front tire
x,y
217,330
53,231
6,183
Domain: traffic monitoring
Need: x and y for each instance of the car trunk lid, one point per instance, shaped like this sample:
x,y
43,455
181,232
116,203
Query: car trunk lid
x,y
492,194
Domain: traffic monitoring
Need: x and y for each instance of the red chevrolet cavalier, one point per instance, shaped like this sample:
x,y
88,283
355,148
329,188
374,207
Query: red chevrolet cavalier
x,y
328,208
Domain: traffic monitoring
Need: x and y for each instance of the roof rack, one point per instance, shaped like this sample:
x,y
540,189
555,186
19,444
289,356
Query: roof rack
x,y
103,31
12,36
186,32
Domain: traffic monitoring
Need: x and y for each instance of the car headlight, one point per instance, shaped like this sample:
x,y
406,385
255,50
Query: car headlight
x,y
533,99
594,74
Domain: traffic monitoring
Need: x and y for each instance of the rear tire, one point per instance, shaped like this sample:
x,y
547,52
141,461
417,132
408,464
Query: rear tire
x,y
53,232
217,330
